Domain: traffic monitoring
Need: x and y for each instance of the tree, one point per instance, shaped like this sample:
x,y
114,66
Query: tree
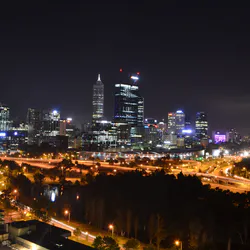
x,y
38,178
151,228
62,179
77,232
136,222
132,244
111,161
105,243
160,231
52,177
128,220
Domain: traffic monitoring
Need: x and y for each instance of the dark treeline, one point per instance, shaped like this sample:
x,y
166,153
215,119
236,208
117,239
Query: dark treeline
x,y
160,208
242,168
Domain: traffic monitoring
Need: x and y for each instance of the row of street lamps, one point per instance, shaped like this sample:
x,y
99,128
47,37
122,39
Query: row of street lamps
x,y
67,213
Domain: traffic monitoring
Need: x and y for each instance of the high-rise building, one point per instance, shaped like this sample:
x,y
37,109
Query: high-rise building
x,y
201,126
188,124
129,104
63,125
50,122
171,123
98,100
234,136
129,111
4,118
179,121
34,125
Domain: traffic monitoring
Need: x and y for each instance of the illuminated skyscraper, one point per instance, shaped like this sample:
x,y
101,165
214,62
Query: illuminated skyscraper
x,y
4,118
50,122
201,125
179,121
171,123
129,110
98,100
129,105
34,125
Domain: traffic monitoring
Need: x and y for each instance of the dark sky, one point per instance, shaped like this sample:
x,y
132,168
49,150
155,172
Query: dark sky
x,y
191,56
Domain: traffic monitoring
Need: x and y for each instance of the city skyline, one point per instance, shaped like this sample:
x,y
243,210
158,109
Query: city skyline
x,y
190,58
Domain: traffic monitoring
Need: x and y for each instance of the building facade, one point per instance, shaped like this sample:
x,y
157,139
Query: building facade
x,y
129,105
171,123
4,118
98,100
179,121
201,126
50,122
33,121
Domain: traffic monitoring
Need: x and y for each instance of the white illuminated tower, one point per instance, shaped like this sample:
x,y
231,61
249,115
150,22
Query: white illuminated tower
x,y
4,118
98,100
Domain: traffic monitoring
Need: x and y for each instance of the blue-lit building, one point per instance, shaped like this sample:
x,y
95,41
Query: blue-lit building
x,y
11,140
129,105
129,111
179,121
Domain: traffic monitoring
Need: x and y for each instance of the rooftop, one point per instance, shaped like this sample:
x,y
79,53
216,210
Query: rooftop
x,y
49,236
42,227
46,240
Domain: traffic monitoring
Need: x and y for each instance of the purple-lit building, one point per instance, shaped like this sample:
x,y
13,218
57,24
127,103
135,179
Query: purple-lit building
x,y
219,137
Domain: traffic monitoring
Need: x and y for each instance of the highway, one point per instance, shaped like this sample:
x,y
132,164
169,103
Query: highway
x,y
213,175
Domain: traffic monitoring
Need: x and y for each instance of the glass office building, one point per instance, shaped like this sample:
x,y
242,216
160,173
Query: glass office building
x,y
98,100
201,125
129,105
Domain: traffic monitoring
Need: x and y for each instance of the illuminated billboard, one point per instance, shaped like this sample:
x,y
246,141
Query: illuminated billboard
x,y
219,138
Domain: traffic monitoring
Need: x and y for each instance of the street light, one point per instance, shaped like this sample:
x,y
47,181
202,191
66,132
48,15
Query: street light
x,y
67,213
178,243
111,227
15,191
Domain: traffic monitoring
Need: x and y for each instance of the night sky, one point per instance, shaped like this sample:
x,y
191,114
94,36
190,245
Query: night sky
x,y
193,57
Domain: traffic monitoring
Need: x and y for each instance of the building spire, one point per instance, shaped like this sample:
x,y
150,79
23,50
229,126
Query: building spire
x,y
99,78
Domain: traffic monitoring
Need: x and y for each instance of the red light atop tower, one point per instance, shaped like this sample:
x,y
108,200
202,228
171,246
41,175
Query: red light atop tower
x,y
121,70
138,73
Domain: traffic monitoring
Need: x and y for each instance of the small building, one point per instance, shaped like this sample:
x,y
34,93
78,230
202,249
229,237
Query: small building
x,y
34,234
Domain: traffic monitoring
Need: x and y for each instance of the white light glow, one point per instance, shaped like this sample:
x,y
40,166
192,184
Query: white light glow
x,y
134,77
53,196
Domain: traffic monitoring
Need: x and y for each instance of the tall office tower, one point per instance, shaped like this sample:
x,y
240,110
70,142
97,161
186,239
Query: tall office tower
x,y
140,111
50,122
4,118
34,125
129,111
188,124
129,104
98,100
234,136
201,126
171,123
179,121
